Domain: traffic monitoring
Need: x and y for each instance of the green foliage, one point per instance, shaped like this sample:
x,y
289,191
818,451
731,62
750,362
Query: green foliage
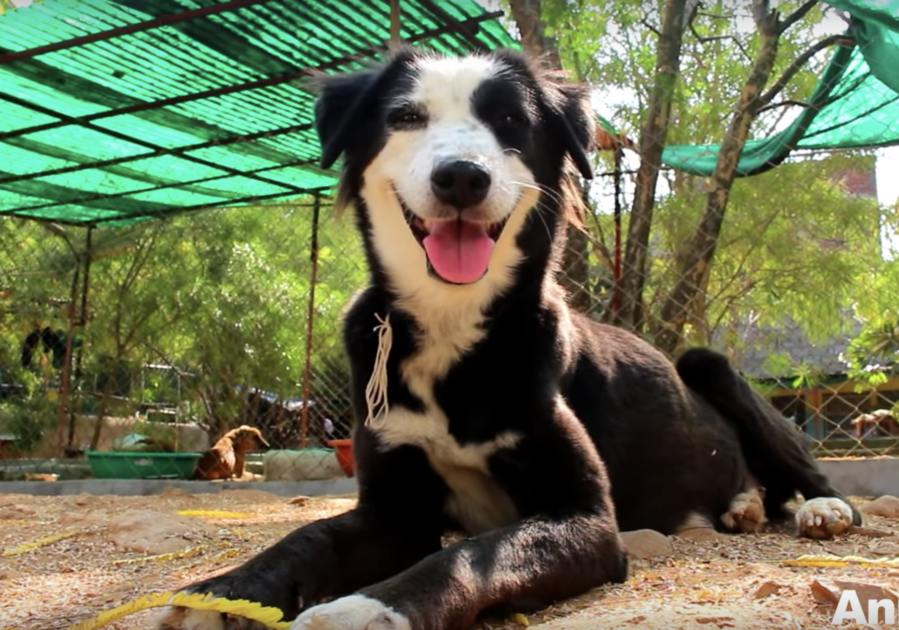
x,y
29,420
873,354
794,246
221,295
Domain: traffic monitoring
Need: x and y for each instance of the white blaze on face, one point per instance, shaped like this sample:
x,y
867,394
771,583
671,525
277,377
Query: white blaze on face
x,y
443,92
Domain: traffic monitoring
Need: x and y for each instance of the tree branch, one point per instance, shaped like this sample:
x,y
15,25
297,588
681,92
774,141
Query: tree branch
x,y
782,104
706,39
531,28
796,15
652,28
652,141
698,258
801,60
715,16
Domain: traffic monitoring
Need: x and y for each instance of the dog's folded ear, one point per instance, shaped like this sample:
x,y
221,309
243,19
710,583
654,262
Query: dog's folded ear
x,y
344,104
572,117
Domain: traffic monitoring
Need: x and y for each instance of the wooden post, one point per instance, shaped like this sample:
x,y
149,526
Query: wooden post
x,y
310,319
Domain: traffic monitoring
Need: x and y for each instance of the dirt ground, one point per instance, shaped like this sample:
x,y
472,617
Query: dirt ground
x,y
59,567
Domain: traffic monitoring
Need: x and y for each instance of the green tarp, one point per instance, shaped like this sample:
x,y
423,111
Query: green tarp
x,y
113,111
855,104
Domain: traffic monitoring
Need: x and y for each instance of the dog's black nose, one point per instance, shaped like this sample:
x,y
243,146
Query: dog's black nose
x,y
460,183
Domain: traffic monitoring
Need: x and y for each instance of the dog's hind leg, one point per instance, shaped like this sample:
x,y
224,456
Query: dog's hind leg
x,y
775,452
746,513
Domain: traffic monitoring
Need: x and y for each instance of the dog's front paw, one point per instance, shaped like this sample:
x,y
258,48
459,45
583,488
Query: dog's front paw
x,y
180,618
353,612
823,518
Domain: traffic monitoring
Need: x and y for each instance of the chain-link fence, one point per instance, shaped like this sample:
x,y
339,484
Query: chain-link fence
x,y
178,332
788,297
173,335
133,352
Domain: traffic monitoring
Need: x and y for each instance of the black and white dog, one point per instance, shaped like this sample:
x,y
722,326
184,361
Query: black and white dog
x,y
484,404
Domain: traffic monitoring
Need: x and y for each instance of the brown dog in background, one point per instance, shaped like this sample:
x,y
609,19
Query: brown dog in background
x,y
227,458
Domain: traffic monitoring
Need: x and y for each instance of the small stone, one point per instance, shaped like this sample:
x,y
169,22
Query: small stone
x,y
299,501
825,592
701,534
84,500
155,533
886,506
765,589
646,543
829,591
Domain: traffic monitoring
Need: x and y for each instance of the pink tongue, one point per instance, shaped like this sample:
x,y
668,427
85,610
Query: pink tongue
x,y
459,251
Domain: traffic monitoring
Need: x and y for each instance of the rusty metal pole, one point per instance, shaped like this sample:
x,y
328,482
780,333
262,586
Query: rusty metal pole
x,y
616,295
310,319
64,408
82,324
62,403
394,22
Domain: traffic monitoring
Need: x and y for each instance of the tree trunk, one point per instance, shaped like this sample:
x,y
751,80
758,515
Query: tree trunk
x,y
575,272
532,30
652,141
688,287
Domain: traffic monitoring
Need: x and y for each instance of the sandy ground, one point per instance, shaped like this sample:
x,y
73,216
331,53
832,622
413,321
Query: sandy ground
x,y
48,583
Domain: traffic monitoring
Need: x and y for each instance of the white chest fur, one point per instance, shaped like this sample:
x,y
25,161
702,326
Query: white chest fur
x,y
476,500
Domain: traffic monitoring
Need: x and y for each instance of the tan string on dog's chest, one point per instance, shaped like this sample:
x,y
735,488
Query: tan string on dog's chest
x,y
376,390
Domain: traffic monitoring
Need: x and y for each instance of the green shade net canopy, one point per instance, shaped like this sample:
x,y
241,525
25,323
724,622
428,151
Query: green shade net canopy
x,y
117,111
855,103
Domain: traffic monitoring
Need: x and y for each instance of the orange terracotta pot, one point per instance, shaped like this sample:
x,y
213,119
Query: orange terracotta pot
x,y
344,451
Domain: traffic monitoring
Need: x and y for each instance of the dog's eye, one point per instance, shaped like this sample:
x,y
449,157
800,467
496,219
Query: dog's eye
x,y
406,118
510,118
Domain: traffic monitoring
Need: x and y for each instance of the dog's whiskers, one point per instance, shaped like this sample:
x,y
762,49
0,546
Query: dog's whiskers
x,y
541,207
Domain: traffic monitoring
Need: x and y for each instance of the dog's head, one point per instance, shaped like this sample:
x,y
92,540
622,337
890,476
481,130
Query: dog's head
x,y
453,157
247,438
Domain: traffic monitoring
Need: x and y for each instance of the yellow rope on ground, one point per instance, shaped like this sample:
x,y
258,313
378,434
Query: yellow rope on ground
x,y
37,544
840,561
163,557
521,620
269,617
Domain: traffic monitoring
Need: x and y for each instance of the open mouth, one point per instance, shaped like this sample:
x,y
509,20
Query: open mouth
x,y
458,251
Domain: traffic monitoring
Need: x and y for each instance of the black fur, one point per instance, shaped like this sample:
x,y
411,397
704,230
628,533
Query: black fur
x,y
585,398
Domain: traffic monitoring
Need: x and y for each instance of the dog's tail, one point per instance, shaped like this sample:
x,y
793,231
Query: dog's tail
x,y
776,453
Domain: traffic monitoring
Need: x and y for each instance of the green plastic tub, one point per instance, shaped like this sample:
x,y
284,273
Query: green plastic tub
x,y
125,465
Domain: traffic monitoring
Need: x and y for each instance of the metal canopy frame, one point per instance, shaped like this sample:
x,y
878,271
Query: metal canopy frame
x,y
213,134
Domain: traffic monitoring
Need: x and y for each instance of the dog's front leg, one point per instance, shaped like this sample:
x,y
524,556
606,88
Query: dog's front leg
x,y
537,562
327,558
